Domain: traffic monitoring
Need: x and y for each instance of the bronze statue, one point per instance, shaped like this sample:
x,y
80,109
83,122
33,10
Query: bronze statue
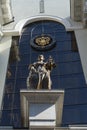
x,y
39,75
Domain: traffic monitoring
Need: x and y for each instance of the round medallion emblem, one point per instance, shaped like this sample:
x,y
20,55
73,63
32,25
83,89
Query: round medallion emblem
x,y
43,42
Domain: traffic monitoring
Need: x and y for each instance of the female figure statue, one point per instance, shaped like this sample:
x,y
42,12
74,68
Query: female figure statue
x,y
39,75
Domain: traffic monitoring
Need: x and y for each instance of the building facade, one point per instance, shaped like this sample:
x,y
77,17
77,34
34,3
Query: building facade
x,y
51,28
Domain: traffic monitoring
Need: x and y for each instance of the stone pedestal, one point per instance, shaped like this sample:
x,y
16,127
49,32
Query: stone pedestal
x,y
41,108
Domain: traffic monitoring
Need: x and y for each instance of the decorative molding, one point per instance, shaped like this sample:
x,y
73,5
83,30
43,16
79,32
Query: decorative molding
x,y
19,26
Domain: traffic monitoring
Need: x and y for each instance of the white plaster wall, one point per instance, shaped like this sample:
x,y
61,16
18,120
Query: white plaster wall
x,y
81,37
27,8
24,8
59,8
5,44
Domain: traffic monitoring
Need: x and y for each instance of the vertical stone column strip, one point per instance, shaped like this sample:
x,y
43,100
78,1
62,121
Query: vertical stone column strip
x,y
24,112
41,6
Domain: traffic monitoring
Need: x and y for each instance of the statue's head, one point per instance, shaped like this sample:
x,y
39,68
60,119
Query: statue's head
x,y
41,57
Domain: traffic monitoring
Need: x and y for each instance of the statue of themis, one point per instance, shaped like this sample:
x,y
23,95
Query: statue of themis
x,y
39,74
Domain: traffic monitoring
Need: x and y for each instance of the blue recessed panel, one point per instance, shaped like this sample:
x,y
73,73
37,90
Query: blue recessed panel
x,y
67,75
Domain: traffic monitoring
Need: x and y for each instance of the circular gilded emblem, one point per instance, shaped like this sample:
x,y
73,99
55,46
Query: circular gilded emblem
x,y
42,42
